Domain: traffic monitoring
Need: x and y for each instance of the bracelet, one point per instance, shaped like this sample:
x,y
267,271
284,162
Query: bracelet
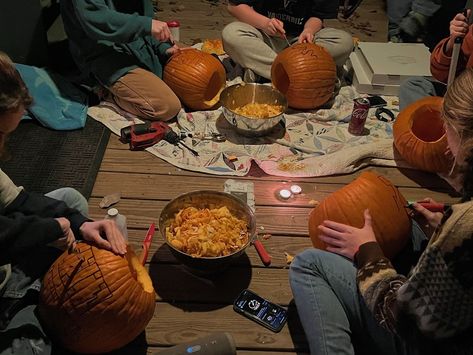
x,y
384,114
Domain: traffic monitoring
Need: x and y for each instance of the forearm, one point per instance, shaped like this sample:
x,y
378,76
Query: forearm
x,y
247,14
378,283
313,25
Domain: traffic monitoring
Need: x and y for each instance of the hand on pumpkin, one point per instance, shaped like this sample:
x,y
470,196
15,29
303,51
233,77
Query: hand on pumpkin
x,y
112,239
433,218
344,239
274,27
173,50
306,37
68,239
458,28
160,30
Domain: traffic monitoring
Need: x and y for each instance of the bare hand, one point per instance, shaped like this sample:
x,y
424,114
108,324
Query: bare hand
x,y
112,239
160,30
458,28
306,37
344,239
433,218
68,239
173,50
274,27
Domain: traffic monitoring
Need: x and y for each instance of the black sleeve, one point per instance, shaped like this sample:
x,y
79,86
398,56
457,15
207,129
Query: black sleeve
x,y
324,9
29,221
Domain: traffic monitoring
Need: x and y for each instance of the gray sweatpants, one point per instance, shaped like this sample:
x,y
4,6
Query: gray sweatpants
x,y
255,50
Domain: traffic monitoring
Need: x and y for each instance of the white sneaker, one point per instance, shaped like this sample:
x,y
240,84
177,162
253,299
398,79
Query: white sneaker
x,y
250,77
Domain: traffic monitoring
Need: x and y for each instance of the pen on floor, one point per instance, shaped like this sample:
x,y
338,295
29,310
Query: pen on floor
x,y
432,207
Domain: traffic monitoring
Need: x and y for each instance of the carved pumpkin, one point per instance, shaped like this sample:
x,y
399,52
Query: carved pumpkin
x,y
391,222
419,136
197,78
306,74
97,304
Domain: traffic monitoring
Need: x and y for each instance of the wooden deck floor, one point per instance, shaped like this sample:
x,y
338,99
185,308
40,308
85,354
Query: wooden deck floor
x,y
188,306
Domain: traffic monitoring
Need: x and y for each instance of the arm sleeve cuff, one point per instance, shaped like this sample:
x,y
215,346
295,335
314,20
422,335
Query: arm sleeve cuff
x,y
368,252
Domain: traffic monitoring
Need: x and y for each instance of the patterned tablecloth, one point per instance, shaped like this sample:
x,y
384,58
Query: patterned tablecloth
x,y
307,144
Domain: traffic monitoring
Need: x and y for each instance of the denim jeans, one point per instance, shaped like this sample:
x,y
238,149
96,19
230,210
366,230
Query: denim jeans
x,y
397,9
418,87
334,316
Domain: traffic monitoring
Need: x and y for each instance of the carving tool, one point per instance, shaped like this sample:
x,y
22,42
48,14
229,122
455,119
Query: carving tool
x,y
457,46
147,243
432,207
260,249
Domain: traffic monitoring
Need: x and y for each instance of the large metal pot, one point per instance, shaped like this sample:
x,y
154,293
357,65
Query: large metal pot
x,y
241,94
207,199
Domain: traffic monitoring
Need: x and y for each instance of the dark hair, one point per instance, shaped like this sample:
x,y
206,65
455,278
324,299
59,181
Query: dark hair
x,y
13,92
458,112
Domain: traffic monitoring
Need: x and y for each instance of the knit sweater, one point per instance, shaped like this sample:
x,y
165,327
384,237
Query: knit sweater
x,y
435,302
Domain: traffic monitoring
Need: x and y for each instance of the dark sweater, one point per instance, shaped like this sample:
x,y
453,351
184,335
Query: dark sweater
x,y
108,38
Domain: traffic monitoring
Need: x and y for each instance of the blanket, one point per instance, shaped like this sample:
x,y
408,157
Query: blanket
x,y
306,144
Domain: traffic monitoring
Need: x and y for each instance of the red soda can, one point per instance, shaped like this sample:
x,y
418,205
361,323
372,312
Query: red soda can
x,y
361,106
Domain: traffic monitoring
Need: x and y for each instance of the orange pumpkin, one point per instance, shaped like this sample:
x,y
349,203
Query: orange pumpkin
x,y
95,301
391,222
419,136
197,78
306,74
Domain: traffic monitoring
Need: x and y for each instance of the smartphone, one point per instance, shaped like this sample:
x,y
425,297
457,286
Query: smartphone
x,y
256,308
376,101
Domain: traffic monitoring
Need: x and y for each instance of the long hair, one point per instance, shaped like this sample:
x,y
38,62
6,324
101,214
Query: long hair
x,y
458,112
13,92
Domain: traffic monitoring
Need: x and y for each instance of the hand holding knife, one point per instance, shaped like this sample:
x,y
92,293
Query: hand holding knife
x,y
147,243
431,206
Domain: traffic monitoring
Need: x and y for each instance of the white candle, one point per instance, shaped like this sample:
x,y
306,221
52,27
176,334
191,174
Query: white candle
x,y
296,189
285,194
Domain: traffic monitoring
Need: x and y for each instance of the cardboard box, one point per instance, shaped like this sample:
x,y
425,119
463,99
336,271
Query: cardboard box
x,y
391,63
362,82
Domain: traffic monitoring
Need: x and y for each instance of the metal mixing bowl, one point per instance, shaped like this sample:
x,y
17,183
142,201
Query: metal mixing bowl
x,y
241,94
207,199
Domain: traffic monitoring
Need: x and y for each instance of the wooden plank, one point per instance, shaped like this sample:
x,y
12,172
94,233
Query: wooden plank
x,y
178,323
159,187
141,213
157,349
120,160
276,246
176,284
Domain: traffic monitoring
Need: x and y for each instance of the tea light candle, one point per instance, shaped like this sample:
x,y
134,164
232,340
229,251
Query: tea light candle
x,y
296,189
285,194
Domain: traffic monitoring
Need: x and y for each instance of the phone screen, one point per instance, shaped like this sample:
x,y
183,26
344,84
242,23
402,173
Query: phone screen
x,y
260,310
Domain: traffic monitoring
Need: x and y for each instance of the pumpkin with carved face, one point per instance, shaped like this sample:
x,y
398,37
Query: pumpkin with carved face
x,y
306,74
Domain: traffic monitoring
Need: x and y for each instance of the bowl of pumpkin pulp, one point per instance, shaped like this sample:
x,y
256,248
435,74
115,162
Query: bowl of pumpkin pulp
x,y
253,109
207,230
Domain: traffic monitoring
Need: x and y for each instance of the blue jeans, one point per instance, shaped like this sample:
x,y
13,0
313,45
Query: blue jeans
x,y
334,316
397,9
418,87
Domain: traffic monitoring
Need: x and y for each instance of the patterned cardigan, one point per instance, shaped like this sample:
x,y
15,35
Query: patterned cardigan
x,y
436,301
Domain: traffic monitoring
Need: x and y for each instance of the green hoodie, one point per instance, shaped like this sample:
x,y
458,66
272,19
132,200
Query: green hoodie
x,y
108,38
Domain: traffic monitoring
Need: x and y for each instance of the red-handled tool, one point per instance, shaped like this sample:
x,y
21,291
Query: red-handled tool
x,y
432,207
147,243
263,254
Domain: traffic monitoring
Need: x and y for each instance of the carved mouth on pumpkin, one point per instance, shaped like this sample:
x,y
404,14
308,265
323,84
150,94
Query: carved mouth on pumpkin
x,y
138,271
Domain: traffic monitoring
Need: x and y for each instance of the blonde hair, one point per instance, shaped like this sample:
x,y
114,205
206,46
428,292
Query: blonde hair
x,y
458,113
